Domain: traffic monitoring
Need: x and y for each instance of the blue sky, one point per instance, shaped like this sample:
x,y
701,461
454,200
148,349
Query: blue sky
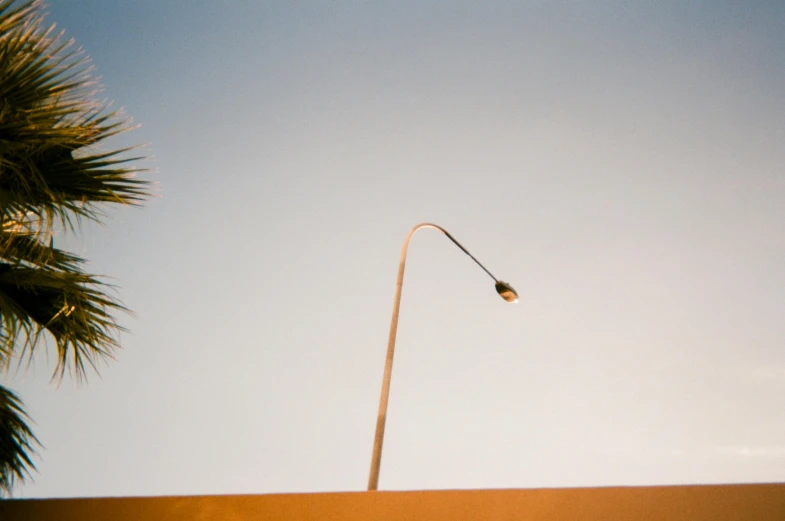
x,y
620,163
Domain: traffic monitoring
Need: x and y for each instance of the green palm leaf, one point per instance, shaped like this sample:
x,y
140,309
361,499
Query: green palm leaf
x,y
72,307
16,440
55,171
50,124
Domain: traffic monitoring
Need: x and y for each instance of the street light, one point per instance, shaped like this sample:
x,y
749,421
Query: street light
x,y
502,288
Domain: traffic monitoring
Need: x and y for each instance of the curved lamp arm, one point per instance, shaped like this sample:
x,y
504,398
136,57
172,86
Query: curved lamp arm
x,y
504,289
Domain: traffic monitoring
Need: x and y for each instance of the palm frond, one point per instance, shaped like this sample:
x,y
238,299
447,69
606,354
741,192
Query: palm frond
x,y
50,126
16,442
11,16
74,308
55,171
22,245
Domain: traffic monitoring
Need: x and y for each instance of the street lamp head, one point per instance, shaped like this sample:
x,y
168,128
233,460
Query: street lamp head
x,y
506,292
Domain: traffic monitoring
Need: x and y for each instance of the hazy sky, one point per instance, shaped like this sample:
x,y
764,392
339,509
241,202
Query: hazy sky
x,y
621,164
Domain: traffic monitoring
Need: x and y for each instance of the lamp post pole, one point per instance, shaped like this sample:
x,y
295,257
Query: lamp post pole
x,y
504,289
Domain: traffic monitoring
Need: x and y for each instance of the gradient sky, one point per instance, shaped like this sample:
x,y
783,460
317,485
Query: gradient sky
x,y
622,164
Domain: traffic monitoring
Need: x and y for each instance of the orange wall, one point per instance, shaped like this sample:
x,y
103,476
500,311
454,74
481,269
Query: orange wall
x,y
711,503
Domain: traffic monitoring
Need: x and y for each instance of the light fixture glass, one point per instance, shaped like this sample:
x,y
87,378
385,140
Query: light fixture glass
x,y
506,292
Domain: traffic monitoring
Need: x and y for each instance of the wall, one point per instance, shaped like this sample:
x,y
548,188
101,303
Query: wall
x,y
715,503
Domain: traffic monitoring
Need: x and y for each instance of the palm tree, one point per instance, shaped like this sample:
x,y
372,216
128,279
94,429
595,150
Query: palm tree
x,y
54,174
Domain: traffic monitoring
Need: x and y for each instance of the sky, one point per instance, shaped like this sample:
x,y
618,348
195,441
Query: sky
x,y
621,164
